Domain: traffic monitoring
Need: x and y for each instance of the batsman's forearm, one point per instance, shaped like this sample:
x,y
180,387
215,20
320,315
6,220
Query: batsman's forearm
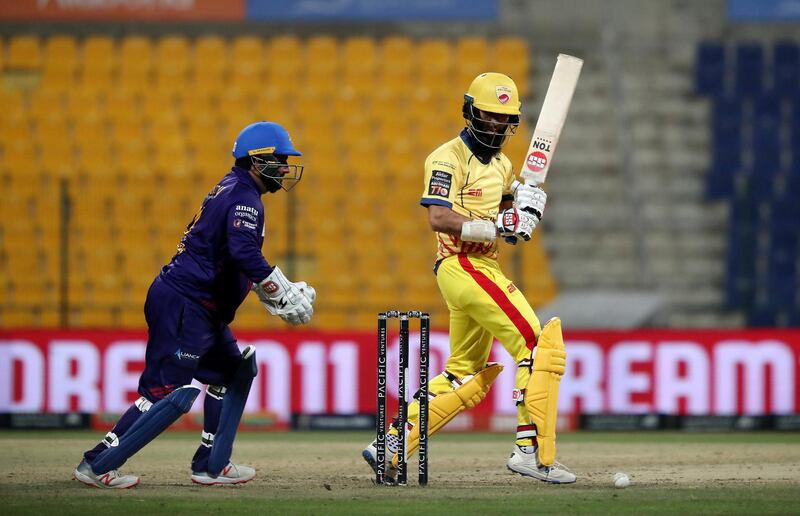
x,y
445,220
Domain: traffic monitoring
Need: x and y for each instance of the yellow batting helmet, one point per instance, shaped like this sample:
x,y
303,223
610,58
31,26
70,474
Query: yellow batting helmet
x,y
495,93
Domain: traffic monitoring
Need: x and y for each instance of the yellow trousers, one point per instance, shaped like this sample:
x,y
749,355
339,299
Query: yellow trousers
x,y
484,304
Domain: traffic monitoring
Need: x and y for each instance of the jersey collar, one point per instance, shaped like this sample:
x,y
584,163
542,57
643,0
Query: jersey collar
x,y
245,176
482,152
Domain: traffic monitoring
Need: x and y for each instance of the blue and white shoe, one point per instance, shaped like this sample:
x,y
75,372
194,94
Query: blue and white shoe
x,y
110,480
230,475
527,464
370,454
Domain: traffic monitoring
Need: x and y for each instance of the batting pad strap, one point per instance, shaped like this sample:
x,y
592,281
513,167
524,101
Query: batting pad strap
x,y
149,425
206,439
453,379
526,431
444,407
111,440
525,362
143,404
216,391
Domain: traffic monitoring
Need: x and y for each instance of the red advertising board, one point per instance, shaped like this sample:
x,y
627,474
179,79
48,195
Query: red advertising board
x,y
670,372
121,10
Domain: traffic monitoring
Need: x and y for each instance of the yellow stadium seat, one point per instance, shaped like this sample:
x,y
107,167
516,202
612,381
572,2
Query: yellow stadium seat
x,y
165,125
51,132
10,100
172,52
60,61
159,104
511,56
99,56
61,50
136,52
359,60
435,54
97,81
100,318
132,318
210,50
322,53
284,56
44,105
121,104
24,53
248,52
82,106
359,53
398,52
471,59
20,318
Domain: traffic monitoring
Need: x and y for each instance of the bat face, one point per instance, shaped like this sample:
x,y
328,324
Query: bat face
x,y
551,119
539,153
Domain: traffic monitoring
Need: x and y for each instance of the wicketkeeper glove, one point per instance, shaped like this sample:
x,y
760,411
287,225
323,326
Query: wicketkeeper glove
x,y
289,301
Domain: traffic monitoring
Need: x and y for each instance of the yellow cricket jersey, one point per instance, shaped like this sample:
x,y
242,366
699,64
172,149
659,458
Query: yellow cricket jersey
x,y
455,178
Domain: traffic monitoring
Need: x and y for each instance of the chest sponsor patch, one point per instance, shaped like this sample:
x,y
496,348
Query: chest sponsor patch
x,y
245,215
440,184
240,223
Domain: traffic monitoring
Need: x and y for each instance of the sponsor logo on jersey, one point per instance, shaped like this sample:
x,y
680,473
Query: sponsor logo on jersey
x,y
475,192
182,355
237,223
245,214
216,190
440,184
248,209
503,94
270,287
444,164
511,288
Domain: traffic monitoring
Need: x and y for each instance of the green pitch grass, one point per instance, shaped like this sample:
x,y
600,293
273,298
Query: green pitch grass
x,y
323,473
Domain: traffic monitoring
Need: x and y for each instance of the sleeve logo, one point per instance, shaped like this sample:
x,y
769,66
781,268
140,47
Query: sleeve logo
x,y
440,184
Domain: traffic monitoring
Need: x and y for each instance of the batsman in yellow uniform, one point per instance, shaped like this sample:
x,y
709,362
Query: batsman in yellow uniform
x,y
472,201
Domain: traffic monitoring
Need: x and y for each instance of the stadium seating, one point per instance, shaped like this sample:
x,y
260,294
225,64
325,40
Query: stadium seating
x,y
755,166
138,128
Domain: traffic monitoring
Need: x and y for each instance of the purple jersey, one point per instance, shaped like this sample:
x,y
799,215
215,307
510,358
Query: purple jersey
x,y
220,253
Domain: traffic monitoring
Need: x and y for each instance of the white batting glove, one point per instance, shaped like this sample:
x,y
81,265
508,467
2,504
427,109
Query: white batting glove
x,y
530,199
285,299
515,223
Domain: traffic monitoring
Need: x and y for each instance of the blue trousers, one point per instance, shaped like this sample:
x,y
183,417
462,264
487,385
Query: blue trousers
x,y
185,341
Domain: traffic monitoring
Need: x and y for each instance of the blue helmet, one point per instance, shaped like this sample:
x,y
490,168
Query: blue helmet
x,y
263,138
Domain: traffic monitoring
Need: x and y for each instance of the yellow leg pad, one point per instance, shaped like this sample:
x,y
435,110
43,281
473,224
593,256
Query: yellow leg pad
x,y
444,407
541,393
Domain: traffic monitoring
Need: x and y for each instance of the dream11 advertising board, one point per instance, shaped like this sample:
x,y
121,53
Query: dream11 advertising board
x,y
637,372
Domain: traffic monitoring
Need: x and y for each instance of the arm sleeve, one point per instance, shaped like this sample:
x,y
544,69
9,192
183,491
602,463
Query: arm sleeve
x,y
244,224
440,180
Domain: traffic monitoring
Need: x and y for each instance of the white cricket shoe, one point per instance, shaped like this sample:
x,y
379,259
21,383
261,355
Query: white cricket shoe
x,y
370,454
527,464
230,475
111,480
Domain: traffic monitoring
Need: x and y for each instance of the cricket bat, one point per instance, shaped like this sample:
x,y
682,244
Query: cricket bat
x,y
551,120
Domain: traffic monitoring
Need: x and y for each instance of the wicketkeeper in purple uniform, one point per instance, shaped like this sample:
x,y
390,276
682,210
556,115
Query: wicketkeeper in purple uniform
x,y
188,309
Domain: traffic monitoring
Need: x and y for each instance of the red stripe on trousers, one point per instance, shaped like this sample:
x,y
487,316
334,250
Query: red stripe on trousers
x,y
502,300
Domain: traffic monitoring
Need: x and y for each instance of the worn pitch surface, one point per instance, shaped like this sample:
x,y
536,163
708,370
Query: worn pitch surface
x,y
323,473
